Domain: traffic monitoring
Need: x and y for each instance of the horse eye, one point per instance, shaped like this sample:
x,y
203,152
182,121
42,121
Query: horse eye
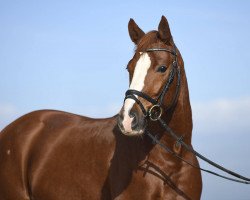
x,y
162,69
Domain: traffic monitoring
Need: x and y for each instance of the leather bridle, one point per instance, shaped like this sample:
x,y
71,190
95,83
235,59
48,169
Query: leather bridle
x,y
155,112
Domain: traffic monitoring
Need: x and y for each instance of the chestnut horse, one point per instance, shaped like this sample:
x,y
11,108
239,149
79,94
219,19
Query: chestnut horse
x,y
53,155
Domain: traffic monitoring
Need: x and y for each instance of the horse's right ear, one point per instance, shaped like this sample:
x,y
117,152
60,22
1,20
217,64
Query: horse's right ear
x,y
164,30
135,32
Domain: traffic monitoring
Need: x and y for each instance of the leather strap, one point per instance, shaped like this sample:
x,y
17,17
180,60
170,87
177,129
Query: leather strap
x,y
155,140
141,94
162,49
187,147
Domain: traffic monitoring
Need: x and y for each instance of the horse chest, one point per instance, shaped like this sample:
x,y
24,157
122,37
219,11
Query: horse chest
x,y
147,181
143,185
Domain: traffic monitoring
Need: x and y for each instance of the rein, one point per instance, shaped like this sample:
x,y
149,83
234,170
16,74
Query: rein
x,y
155,113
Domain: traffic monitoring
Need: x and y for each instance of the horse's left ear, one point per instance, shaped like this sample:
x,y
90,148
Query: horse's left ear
x,y
164,30
135,32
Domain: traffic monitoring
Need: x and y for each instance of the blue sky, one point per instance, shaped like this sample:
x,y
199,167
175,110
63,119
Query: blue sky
x,y
61,54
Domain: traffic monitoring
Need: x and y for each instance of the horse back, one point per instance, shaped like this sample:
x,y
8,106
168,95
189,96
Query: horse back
x,y
55,155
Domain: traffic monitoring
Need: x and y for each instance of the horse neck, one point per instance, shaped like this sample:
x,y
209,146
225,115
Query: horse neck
x,y
180,118
182,115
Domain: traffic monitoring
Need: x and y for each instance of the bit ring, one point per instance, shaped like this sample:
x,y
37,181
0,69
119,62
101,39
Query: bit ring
x,y
155,112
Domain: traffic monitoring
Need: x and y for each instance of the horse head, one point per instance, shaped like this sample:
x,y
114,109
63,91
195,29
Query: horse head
x,y
152,71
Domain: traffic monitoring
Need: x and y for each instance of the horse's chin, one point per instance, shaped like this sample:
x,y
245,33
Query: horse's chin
x,y
132,133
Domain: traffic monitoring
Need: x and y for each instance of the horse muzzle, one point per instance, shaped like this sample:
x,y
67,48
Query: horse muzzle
x,y
132,123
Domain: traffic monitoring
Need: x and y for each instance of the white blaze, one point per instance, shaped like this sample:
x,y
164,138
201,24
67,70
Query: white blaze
x,y
137,83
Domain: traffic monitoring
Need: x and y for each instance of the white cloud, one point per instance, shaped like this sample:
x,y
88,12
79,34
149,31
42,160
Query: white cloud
x,y
221,116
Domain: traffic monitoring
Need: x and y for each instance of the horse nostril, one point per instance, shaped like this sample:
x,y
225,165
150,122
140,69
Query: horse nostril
x,y
135,119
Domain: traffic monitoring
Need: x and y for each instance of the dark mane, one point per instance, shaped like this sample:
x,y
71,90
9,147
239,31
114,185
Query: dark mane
x,y
147,40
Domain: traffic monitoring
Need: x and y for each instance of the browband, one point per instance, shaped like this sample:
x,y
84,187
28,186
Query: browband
x,y
162,49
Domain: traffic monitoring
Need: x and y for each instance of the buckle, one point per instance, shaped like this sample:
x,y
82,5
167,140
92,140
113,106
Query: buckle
x,y
155,112
175,63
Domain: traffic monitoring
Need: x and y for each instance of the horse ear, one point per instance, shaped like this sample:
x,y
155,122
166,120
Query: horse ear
x,y
135,32
164,30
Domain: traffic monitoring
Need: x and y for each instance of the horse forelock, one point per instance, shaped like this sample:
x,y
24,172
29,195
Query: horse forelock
x,y
147,40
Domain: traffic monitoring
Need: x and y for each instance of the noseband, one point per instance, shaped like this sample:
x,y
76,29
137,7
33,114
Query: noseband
x,y
155,111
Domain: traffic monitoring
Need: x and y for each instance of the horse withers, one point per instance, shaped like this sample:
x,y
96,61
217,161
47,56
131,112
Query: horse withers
x,y
55,155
